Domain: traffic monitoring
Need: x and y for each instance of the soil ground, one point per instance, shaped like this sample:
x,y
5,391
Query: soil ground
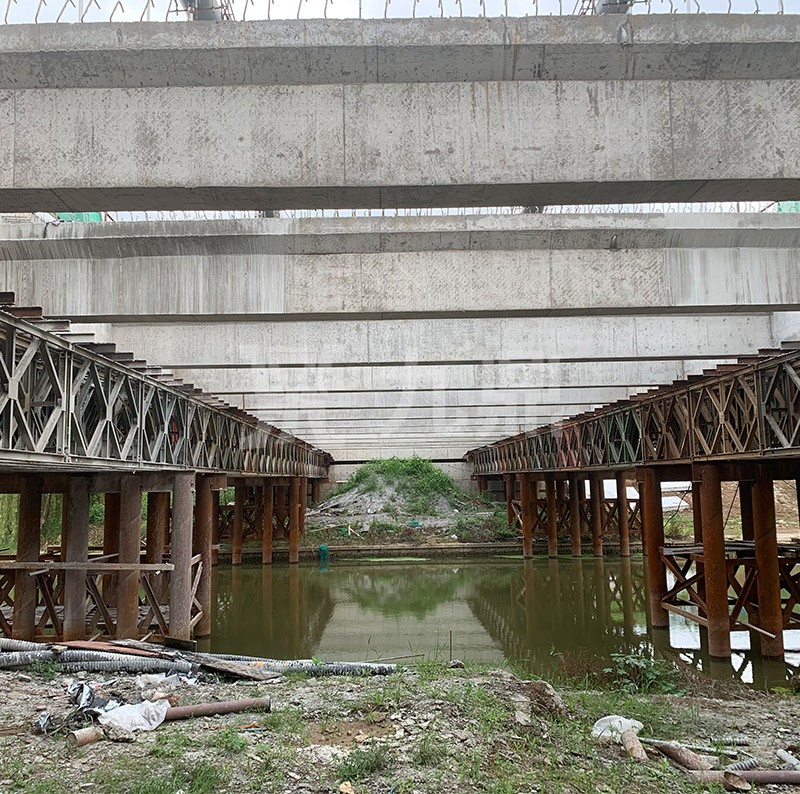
x,y
424,729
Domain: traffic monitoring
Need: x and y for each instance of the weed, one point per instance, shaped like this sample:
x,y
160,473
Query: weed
x,y
47,670
363,762
229,740
385,526
633,673
170,745
287,721
429,751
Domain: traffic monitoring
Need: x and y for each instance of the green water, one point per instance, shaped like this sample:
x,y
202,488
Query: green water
x,y
547,616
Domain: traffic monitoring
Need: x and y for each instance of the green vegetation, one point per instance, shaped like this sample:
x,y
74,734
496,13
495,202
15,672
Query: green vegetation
x,y
229,740
482,527
46,670
416,480
429,751
633,673
364,762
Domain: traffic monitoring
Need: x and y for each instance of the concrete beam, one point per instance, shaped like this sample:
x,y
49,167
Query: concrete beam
x,y
399,51
300,383
505,130
541,265
471,341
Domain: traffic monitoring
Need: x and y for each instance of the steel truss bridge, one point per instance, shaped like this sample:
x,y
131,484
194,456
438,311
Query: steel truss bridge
x,y
73,405
749,410
738,422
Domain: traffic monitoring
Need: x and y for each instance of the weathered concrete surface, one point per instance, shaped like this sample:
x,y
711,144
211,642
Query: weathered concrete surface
x,y
508,381
679,47
383,342
539,265
702,109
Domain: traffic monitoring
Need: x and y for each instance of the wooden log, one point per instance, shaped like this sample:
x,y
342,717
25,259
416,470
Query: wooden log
x,y
630,741
683,755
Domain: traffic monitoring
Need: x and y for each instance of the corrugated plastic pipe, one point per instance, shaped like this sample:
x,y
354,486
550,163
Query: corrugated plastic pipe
x,y
311,667
91,661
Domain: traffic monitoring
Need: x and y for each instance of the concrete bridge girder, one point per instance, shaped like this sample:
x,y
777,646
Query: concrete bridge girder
x,y
498,116
382,342
540,265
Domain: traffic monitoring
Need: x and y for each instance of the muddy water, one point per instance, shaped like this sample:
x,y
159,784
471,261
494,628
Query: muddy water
x,y
547,616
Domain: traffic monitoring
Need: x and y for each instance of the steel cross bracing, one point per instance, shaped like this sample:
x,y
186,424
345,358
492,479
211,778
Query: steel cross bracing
x,y
63,404
748,410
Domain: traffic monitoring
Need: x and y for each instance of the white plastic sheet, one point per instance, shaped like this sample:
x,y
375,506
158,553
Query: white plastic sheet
x,y
144,716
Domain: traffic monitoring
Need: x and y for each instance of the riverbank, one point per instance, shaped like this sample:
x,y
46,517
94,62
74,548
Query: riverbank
x,y
427,728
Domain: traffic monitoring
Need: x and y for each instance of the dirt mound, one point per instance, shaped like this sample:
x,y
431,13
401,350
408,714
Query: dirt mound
x,y
410,486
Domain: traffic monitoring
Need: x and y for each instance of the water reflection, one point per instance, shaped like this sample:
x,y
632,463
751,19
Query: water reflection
x,y
549,616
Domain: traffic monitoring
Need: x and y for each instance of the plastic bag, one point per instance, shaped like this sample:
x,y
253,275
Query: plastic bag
x,y
144,716
613,726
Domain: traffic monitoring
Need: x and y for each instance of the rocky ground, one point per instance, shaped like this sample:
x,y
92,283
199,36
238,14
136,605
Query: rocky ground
x,y
424,729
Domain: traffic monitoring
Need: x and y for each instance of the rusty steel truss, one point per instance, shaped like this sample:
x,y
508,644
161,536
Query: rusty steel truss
x,y
86,406
749,410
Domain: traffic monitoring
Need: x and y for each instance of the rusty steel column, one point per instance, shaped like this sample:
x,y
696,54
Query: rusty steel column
x,y
768,578
76,550
716,569
215,518
238,525
180,587
64,525
303,504
154,543
622,515
509,482
653,531
552,517
28,545
316,490
746,509
110,545
697,527
294,519
596,490
585,520
267,526
130,544
203,521
526,511
575,515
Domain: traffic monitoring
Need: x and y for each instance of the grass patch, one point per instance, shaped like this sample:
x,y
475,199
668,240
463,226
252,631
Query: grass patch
x,y
200,778
428,751
170,744
229,740
286,721
364,762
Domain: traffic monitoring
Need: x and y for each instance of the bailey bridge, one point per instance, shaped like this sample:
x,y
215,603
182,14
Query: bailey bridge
x,y
374,336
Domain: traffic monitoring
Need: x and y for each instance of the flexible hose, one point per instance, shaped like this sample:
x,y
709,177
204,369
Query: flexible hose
x,y
7,644
311,667
73,661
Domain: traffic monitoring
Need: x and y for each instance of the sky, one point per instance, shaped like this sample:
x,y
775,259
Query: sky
x,y
26,11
